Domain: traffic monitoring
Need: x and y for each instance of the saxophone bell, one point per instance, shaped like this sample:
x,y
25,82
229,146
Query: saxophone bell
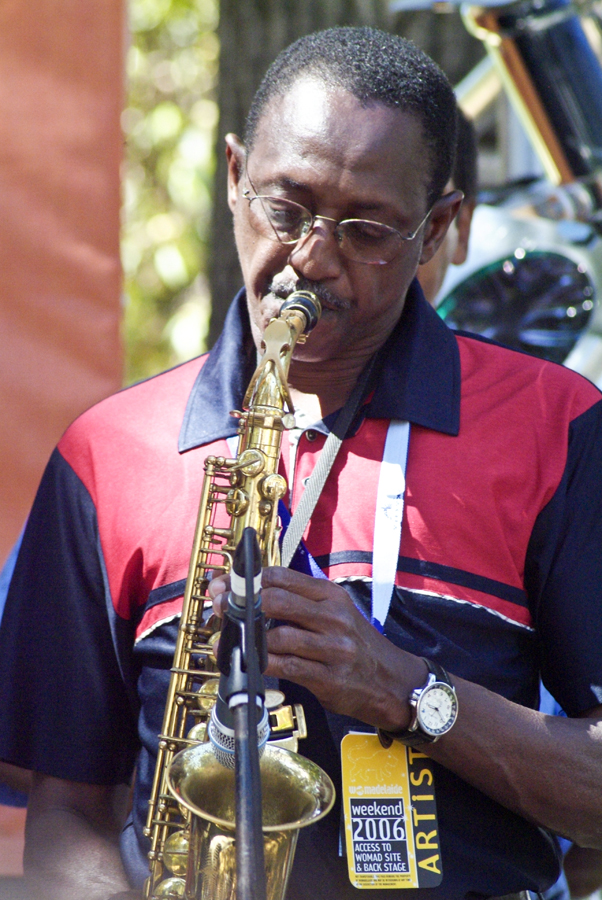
x,y
295,793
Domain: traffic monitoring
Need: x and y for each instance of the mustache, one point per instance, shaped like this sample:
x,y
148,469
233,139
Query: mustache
x,y
283,289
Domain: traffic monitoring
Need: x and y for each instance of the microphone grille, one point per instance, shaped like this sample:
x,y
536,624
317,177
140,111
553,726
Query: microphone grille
x,y
222,739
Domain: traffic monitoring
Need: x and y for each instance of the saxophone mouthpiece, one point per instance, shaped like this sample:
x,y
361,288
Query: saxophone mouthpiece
x,y
306,303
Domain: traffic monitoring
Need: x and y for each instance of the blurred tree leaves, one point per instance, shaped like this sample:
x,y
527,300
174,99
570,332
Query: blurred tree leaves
x,y
169,125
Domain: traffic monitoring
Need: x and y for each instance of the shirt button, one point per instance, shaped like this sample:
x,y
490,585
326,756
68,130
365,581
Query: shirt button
x,y
311,435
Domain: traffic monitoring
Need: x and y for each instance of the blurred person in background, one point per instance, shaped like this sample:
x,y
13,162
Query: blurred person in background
x,y
454,248
582,867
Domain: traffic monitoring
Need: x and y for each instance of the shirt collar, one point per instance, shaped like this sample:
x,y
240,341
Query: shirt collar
x,y
418,379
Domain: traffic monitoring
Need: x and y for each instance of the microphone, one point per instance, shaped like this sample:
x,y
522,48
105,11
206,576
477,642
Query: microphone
x,y
241,654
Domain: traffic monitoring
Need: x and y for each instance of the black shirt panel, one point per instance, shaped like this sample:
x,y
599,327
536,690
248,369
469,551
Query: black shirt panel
x,y
93,694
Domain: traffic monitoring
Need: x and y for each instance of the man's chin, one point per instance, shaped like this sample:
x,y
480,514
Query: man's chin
x,y
320,346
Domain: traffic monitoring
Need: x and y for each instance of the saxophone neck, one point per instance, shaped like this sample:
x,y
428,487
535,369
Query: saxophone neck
x,y
298,315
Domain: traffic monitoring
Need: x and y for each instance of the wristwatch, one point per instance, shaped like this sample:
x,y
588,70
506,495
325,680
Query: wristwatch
x,y
434,710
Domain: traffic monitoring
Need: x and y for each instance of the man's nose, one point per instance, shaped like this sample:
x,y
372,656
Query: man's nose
x,y
317,254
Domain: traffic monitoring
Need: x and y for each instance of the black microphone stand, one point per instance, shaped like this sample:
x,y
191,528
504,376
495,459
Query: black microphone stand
x,y
242,657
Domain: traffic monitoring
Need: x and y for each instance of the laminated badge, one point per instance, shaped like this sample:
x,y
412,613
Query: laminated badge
x,y
391,829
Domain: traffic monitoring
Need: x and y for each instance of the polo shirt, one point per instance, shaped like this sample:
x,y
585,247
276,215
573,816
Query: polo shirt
x,y
498,576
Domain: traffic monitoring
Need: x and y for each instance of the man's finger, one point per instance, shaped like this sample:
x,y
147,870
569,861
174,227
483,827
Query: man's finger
x,y
218,585
306,672
327,616
286,640
316,589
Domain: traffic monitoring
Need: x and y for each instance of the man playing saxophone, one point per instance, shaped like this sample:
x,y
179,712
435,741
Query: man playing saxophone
x,y
462,550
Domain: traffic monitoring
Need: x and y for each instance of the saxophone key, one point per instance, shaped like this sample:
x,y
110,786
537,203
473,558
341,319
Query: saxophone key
x,y
206,697
237,502
212,531
198,733
175,852
273,487
251,463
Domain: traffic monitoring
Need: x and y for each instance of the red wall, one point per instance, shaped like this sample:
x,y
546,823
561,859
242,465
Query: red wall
x,y
61,93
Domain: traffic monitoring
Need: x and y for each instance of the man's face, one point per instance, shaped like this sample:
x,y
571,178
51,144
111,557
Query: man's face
x,y
319,147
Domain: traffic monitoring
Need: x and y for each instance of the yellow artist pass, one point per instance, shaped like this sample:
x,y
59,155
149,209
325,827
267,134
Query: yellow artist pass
x,y
391,831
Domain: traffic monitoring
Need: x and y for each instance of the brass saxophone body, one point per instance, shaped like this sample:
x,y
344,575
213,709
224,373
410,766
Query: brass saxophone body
x,y
191,809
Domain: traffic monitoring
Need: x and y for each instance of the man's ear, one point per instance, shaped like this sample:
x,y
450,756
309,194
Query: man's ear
x,y
235,156
443,214
463,224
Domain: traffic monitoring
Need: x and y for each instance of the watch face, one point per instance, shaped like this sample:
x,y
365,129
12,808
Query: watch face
x,y
437,709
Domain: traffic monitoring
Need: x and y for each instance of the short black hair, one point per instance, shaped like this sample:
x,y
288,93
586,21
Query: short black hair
x,y
374,66
465,176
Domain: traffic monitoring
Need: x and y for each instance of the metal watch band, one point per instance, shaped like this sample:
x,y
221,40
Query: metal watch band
x,y
414,737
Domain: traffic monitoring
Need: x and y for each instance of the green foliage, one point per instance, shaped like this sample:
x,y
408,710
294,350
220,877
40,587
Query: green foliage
x,y
169,124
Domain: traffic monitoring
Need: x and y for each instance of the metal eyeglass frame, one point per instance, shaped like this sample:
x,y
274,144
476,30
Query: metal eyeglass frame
x,y
311,220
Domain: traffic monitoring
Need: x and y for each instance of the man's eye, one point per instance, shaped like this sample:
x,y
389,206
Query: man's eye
x,y
282,215
362,231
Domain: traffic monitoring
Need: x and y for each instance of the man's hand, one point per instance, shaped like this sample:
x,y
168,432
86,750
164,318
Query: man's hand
x,y
498,746
326,645
71,840
127,895
15,777
583,870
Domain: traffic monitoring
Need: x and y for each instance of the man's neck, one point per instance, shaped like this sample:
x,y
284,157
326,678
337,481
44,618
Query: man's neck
x,y
321,388
309,403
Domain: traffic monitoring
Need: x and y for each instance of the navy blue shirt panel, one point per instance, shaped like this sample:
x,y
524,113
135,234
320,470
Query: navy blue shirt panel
x,y
564,566
71,668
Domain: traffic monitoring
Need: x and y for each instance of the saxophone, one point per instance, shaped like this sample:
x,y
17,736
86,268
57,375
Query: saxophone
x,y
190,821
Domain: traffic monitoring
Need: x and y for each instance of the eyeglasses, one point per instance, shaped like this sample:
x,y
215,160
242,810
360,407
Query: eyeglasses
x,y
361,240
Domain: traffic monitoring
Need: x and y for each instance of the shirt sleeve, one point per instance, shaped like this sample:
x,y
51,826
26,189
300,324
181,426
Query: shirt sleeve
x,y
67,703
563,573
